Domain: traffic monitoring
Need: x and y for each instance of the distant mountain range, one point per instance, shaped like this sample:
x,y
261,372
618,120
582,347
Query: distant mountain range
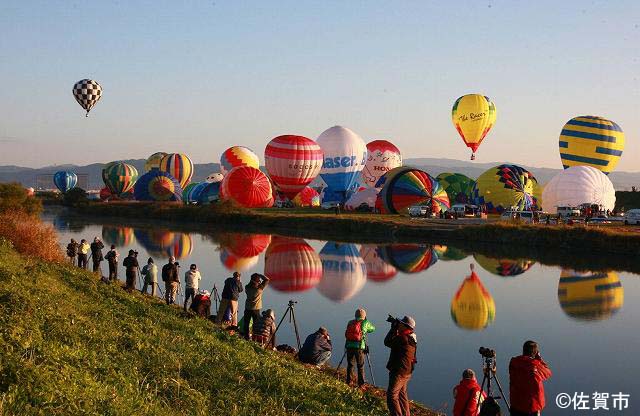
x,y
623,181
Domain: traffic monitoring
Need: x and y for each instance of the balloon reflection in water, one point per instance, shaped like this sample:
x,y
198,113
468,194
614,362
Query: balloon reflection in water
x,y
181,246
163,243
590,296
118,236
245,245
343,271
409,258
377,269
472,306
292,265
503,267
447,253
234,263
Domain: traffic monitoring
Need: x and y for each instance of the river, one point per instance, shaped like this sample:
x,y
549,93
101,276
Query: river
x,y
587,323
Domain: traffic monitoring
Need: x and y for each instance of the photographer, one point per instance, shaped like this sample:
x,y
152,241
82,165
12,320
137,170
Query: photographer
x,y
96,254
150,273
526,374
171,279
253,303
131,269
402,359
83,253
112,261
317,348
356,344
229,298
467,395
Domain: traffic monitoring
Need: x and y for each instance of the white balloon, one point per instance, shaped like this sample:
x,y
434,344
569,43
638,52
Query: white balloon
x,y
578,185
343,271
345,154
367,196
215,177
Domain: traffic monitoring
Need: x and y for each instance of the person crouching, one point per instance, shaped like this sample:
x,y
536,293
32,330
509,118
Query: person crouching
x,y
317,348
264,329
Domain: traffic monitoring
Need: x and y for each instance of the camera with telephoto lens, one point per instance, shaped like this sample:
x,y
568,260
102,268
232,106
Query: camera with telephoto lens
x,y
393,320
487,352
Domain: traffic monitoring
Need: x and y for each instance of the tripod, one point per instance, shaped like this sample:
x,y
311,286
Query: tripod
x,y
489,371
216,296
292,319
366,352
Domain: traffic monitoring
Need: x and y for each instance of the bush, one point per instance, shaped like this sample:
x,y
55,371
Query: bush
x,y
30,236
75,196
14,198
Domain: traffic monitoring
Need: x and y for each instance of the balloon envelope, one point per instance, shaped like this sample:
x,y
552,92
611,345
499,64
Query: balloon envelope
x,y
292,163
155,241
366,196
503,267
157,185
65,180
472,307
378,270
215,177
153,161
308,197
119,177
87,93
179,166
409,258
292,265
234,263
118,236
578,185
209,193
459,188
382,156
405,186
473,115
591,141
506,186
590,295
248,187
343,271
447,253
237,156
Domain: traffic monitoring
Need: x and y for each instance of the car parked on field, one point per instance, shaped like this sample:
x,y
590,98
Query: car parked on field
x,y
632,217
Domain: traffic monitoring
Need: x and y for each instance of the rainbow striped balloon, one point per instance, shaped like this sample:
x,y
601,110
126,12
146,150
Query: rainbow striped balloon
x,y
409,258
405,186
591,141
238,156
156,185
179,166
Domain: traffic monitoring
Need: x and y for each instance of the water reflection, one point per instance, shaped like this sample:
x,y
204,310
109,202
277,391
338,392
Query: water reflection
x,y
503,267
66,224
344,272
164,243
234,263
378,270
590,296
409,258
241,252
448,253
292,265
472,306
118,236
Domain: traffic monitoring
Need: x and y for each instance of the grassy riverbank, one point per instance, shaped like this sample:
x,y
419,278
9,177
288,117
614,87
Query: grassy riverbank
x,y
73,345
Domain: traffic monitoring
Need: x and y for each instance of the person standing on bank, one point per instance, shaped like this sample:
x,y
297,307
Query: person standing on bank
x,y
253,303
72,251
112,261
229,298
356,344
171,280
191,282
83,254
401,339
150,276
526,375
96,254
131,270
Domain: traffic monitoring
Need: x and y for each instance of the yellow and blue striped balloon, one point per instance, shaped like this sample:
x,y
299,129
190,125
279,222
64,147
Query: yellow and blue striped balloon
x,y
591,141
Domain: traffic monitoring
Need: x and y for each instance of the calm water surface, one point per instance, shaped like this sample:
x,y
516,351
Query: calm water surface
x,y
586,323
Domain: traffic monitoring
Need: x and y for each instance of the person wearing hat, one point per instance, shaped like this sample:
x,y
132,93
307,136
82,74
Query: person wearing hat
x,y
96,254
356,344
131,269
402,341
112,261
191,282
253,303
468,395
264,329
150,273
317,348
229,298
171,280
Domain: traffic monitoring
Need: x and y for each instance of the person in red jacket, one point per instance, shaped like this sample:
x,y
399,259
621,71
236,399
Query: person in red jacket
x,y
468,395
526,374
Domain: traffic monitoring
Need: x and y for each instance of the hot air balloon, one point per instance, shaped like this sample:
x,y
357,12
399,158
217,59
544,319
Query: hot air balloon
x,y
459,188
153,161
157,185
506,186
473,115
292,163
87,93
65,180
405,186
181,246
179,166
382,156
248,187
343,271
156,242
105,194
118,236
590,295
409,258
119,177
378,270
237,156
209,193
345,155
308,197
503,267
447,253
234,263
245,245
591,141
472,306
366,196
292,265
578,185
215,177
187,190
193,194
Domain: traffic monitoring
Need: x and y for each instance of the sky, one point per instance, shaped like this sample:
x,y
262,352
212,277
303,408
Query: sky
x,y
198,77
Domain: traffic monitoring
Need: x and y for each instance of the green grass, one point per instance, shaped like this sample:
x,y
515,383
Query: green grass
x,y
73,345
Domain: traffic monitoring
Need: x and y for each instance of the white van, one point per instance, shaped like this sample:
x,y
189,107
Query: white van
x,y
632,217
465,210
566,212
419,211
522,216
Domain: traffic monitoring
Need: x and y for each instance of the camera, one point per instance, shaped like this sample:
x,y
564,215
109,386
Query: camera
x,y
487,352
393,320
292,302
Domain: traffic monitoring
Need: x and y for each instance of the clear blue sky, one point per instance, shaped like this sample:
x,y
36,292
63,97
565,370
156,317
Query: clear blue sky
x,y
198,77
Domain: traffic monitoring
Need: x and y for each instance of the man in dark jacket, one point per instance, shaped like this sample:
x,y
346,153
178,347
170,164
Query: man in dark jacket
x,y
402,341
253,304
112,261
526,374
72,251
96,254
171,280
131,269
229,298
317,348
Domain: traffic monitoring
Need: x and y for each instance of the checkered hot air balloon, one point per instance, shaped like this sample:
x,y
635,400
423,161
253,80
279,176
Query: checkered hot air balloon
x,y
405,186
87,93
179,166
237,156
292,163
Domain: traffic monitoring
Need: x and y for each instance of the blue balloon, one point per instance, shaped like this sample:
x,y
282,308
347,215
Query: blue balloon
x,y
65,180
209,193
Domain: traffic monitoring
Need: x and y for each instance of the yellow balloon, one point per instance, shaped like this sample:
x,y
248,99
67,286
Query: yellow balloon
x,y
591,141
590,295
472,306
473,115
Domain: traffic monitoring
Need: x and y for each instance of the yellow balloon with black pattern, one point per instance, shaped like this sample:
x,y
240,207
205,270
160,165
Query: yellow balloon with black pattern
x,y
591,141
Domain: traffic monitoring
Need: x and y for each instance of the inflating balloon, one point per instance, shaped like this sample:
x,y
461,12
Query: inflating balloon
x,y
591,141
87,93
308,197
292,163
179,166
65,180
472,306
503,267
157,185
377,269
209,193
118,236
237,156
248,187
507,186
405,187
119,177
292,265
187,190
366,196
459,188
382,156
343,271
153,161
215,177
409,258
473,115
578,185
590,295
